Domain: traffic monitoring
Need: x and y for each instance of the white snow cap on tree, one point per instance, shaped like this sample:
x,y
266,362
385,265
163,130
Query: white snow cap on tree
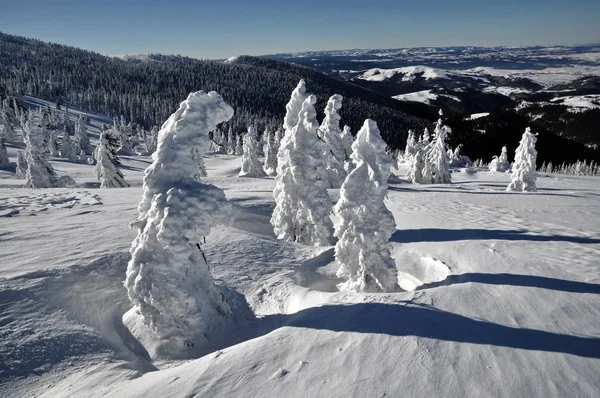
x,y
251,165
168,278
107,166
365,224
40,173
501,163
302,204
334,154
294,106
524,167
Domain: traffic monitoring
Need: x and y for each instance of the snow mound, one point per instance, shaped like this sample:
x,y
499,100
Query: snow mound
x,y
416,269
46,200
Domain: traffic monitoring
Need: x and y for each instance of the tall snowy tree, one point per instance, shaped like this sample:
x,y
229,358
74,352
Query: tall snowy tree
x,y
68,149
412,146
333,152
302,204
270,151
21,170
524,167
107,162
251,165
294,106
438,155
365,224
4,162
81,136
230,142
40,173
347,139
239,147
168,278
500,164
417,168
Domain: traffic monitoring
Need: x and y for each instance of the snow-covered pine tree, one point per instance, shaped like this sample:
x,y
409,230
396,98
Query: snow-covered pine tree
x,y
40,173
270,155
302,204
168,277
347,139
501,163
230,142
107,162
239,147
21,171
333,153
82,140
365,224
524,167
425,138
412,146
251,165
417,167
294,106
68,149
4,161
438,156
152,140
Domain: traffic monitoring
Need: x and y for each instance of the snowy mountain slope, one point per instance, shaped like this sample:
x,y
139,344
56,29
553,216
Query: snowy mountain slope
x,y
506,298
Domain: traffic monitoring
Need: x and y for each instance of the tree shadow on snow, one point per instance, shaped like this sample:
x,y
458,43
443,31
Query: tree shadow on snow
x,y
424,321
450,235
457,189
517,280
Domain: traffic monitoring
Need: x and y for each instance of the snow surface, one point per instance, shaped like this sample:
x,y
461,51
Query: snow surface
x,y
502,294
409,73
579,103
476,116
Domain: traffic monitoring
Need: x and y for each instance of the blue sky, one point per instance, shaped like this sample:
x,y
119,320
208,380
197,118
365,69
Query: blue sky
x,y
219,29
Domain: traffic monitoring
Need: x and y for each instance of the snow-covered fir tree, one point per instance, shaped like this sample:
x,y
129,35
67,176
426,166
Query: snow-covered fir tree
x,y
524,167
107,162
438,155
251,165
412,146
347,139
365,224
53,146
500,163
417,167
4,162
168,278
270,151
82,140
68,148
333,152
302,204
152,140
21,170
239,147
40,173
230,142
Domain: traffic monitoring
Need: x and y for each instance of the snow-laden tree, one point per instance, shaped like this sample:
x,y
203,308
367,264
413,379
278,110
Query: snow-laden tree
x,y
302,204
426,137
333,153
347,139
152,140
239,147
438,155
230,142
81,136
270,151
68,148
365,224
524,167
417,168
168,278
294,106
412,146
4,162
21,170
40,173
107,162
500,163
53,146
251,165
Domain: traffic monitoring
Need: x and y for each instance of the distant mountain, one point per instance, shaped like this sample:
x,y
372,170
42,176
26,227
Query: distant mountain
x,y
147,89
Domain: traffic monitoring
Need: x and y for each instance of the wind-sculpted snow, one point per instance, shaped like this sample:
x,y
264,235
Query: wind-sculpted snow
x,y
168,278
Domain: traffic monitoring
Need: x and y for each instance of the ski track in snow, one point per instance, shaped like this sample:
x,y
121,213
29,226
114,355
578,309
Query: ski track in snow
x,y
503,295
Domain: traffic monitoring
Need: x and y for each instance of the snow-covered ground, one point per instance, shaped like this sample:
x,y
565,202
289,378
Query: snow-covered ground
x,y
502,295
424,96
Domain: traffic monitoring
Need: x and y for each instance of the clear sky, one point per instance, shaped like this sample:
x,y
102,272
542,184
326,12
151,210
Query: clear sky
x,y
220,29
